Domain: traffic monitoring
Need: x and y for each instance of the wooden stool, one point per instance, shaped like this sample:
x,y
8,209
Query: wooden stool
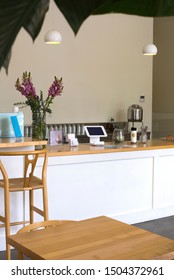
x,y
28,182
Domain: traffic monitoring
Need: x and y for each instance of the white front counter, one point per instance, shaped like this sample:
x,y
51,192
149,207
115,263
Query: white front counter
x,y
128,186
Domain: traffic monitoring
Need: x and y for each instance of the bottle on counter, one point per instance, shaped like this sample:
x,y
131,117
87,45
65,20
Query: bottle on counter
x,y
20,116
26,131
73,128
69,128
55,127
50,128
47,132
78,129
133,135
144,134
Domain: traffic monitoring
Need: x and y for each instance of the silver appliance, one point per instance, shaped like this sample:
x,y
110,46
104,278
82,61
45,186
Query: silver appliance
x,y
135,114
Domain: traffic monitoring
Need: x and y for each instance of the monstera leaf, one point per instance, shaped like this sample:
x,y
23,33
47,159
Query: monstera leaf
x,y
15,14
76,11
147,8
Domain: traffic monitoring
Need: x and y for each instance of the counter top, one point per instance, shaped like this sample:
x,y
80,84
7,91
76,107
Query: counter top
x,y
86,148
20,142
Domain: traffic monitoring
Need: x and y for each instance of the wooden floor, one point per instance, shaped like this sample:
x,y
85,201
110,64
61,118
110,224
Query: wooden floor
x,y
163,226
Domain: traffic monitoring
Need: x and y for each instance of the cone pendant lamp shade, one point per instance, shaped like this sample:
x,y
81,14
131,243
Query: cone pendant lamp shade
x,y
150,49
53,37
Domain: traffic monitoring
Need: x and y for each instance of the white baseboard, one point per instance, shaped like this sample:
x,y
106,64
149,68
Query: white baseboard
x,y
143,216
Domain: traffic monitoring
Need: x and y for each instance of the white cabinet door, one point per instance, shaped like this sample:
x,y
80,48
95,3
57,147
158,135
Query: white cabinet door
x,y
164,181
88,189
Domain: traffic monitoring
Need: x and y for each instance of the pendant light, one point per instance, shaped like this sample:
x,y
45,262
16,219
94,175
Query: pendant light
x,y
149,49
53,37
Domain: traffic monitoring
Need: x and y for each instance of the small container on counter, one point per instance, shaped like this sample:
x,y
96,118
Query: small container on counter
x,y
82,129
144,134
133,135
78,129
69,128
26,131
118,135
74,129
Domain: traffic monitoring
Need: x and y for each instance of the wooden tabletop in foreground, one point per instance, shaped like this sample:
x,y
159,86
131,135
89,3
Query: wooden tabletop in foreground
x,y
100,238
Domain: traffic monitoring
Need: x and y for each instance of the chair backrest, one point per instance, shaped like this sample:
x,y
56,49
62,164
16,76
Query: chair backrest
x,y
42,225
167,256
30,160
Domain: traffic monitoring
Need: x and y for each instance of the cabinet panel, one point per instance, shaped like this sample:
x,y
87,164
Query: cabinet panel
x,y
164,187
78,191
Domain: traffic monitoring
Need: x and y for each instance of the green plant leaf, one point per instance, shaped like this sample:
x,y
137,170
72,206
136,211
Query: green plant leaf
x,y
148,8
13,16
77,11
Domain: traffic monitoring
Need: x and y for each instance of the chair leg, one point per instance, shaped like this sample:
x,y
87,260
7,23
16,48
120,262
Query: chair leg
x,y
8,252
45,203
7,221
20,256
31,202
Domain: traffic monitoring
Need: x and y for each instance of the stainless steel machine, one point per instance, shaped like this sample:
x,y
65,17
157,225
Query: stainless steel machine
x,y
135,114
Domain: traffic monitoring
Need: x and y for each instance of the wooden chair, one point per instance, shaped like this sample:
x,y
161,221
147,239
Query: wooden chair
x,y
167,256
39,226
28,182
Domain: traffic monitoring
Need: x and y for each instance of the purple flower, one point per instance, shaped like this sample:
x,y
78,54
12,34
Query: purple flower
x,y
56,88
27,89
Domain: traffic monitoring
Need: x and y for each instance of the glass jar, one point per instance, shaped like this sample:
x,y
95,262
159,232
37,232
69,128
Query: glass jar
x,y
39,125
144,134
118,135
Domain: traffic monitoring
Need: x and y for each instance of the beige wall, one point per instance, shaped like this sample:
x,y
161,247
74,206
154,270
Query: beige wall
x,y
163,78
102,67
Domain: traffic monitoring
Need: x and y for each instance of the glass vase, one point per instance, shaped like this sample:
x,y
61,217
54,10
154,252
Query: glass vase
x,y
118,136
39,125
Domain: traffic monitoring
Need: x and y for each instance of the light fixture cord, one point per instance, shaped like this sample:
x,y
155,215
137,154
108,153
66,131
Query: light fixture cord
x,y
52,14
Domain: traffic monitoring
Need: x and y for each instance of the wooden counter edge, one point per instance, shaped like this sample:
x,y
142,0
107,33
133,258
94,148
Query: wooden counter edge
x,y
87,149
20,142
